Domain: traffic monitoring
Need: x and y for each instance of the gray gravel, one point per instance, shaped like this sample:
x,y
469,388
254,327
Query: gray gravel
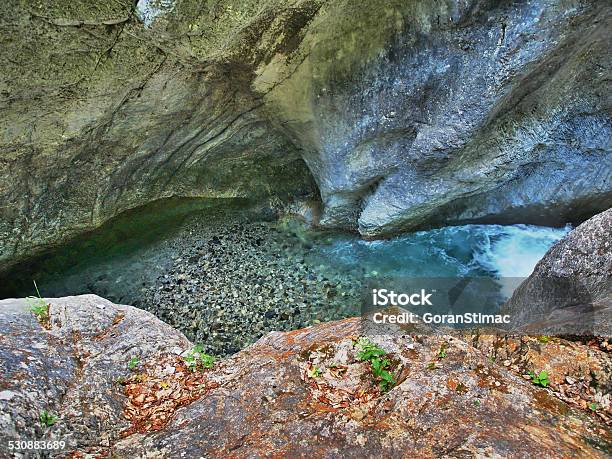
x,y
231,284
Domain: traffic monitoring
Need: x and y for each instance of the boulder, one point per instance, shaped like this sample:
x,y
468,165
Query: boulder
x,y
570,289
73,367
118,383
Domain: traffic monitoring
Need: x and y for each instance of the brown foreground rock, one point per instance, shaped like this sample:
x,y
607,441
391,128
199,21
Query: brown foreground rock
x,y
295,394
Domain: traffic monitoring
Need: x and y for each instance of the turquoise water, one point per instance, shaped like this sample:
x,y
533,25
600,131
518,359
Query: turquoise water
x,y
119,259
458,251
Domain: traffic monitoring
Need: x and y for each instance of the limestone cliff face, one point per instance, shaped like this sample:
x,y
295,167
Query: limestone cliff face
x,y
101,113
453,112
405,114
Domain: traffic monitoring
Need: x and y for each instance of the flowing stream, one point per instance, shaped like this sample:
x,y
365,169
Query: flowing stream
x,y
456,251
225,278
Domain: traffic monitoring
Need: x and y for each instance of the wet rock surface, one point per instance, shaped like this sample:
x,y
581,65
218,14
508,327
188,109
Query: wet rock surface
x,y
432,113
267,400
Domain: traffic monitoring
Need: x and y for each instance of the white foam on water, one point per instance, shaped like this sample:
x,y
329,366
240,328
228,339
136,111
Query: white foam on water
x,y
514,251
148,10
506,253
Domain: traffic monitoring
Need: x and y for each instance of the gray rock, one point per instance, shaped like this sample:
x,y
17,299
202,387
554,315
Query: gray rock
x,y
570,289
73,369
455,113
7,395
432,113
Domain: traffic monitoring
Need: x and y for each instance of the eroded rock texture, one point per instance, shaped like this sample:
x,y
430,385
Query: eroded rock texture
x,y
570,289
101,114
295,394
73,367
406,114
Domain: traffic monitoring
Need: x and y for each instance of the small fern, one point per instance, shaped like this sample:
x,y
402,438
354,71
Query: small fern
x,y
38,306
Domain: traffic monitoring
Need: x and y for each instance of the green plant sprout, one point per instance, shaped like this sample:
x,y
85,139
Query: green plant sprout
x,y
196,359
379,365
133,363
442,352
47,418
314,372
369,350
38,306
540,379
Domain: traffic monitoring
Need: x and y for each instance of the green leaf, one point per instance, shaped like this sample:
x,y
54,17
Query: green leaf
x,y
47,418
133,363
208,361
314,372
387,376
198,349
375,355
540,379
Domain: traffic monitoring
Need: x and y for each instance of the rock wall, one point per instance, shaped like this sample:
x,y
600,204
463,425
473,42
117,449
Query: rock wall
x,y
101,113
405,114
432,113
